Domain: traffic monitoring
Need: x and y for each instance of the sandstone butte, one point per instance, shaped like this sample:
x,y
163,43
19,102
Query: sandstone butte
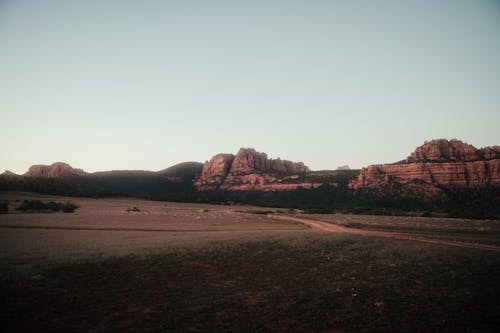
x,y
250,170
55,170
435,165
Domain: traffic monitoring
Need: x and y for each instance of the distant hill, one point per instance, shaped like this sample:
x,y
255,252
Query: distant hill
x,y
184,170
60,178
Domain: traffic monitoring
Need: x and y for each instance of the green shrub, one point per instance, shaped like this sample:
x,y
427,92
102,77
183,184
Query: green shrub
x,y
37,206
32,206
53,206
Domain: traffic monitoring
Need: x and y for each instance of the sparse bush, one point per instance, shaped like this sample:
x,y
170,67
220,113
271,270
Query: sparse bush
x,y
37,206
53,206
319,210
32,206
259,212
133,209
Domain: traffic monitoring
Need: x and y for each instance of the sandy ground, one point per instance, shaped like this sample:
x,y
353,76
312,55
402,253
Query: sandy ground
x,y
103,227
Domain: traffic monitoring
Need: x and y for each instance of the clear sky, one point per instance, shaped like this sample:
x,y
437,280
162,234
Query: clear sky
x,y
108,85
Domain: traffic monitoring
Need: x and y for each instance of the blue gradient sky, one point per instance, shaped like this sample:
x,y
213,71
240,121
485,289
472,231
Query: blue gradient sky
x,y
146,84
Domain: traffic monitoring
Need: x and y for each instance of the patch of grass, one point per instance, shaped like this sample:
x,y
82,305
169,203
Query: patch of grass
x,y
474,236
315,283
477,231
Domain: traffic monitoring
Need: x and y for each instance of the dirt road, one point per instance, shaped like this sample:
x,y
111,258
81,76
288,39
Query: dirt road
x,y
329,227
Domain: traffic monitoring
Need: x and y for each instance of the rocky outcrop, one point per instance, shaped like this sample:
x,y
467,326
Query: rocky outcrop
x,y
55,170
288,167
214,172
437,165
250,170
490,153
454,150
247,160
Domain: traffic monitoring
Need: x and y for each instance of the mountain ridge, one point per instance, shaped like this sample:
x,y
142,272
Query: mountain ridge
x,y
427,173
450,177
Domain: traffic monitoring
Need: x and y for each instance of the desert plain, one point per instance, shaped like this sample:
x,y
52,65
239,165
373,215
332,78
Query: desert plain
x,y
125,264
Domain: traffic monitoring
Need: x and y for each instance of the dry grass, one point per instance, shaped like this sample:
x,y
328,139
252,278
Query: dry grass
x,y
479,231
186,267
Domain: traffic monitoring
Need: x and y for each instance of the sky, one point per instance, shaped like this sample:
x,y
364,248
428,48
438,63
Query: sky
x,y
107,85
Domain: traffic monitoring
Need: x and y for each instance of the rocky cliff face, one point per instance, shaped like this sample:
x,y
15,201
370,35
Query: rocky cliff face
x,y
436,165
250,170
55,170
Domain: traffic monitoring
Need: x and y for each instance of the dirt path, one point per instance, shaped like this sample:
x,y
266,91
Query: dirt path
x,y
328,227
131,229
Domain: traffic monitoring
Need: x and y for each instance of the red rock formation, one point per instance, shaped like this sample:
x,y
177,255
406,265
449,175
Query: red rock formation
x,y
55,170
435,165
248,160
454,150
250,170
490,153
214,172
456,174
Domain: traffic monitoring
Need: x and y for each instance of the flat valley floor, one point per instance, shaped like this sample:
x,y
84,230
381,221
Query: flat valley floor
x,y
179,267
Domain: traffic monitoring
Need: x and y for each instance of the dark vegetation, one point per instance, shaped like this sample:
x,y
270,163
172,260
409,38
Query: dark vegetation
x,y
315,284
4,206
185,170
37,206
483,204
176,184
